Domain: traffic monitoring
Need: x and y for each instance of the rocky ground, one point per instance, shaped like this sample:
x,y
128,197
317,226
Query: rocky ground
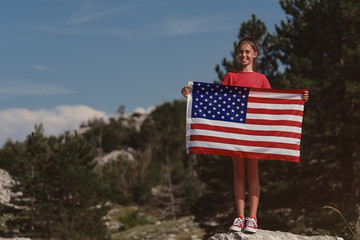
x,y
268,235
183,228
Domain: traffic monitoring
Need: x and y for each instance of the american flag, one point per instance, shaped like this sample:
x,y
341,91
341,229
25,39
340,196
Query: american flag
x,y
244,122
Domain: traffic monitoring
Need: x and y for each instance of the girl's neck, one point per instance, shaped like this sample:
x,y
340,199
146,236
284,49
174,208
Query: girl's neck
x,y
248,68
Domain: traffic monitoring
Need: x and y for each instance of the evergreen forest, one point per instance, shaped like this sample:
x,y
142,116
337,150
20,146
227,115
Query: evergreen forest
x,y
62,192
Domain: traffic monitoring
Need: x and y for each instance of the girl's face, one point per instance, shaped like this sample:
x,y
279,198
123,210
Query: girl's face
x,y
246,55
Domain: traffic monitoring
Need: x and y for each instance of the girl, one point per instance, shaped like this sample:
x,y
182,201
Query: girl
x,y
247,51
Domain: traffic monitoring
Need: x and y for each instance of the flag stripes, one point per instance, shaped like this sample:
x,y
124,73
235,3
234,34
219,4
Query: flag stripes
x,y
272,128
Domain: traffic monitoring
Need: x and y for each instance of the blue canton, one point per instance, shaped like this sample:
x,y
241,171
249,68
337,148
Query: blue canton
x,y
219,102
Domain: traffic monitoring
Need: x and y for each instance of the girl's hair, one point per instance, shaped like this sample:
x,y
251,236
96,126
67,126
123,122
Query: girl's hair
x,y
249,40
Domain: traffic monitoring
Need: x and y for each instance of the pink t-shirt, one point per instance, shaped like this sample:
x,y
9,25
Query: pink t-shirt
x,y
246,79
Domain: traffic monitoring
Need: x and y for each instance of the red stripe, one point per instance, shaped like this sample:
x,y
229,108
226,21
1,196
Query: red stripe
x,y
245,131
274,122
275,111
248,155
245,142
275,100
273,90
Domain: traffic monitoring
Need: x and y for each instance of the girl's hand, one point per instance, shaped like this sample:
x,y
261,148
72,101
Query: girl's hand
x,y
185,91
305,97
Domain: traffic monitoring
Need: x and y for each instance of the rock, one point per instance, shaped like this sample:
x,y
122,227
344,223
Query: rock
x,y
15,238
266,235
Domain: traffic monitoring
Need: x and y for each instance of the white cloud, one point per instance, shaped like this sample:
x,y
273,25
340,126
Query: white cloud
x,y
177,25
17,123
89,13
31,88
42,67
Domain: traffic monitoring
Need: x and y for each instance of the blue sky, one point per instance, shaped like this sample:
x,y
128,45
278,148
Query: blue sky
x,y
64,61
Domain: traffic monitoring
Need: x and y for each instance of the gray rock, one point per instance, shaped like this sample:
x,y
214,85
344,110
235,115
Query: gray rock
x,y
266,235
15,238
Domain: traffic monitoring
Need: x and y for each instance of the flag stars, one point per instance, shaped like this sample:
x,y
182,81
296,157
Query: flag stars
x,y
218,102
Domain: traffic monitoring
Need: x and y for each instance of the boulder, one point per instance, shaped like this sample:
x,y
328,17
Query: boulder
x,y
267,235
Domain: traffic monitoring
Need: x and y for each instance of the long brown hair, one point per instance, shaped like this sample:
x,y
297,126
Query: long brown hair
x,y
250,40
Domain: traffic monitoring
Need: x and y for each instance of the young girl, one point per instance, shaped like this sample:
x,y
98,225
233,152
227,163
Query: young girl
x,y
247,51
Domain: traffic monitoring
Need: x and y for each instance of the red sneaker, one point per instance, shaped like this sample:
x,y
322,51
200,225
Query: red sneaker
x,y
237,225
251,225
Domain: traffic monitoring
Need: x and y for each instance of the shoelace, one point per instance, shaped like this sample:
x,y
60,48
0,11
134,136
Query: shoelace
x,y
251,222
238,221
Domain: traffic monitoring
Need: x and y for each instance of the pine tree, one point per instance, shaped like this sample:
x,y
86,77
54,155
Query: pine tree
x,y
320,47
61,195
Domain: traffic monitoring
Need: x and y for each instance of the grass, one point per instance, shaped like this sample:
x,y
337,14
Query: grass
x,y
352,233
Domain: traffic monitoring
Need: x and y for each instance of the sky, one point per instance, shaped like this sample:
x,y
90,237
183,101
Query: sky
x,y
63,62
